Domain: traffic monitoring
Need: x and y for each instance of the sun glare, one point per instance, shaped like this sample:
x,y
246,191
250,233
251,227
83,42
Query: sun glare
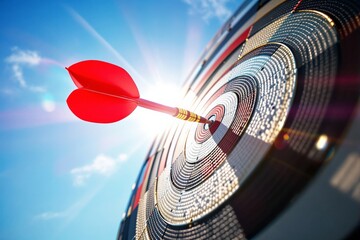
x,y
152,123
48,103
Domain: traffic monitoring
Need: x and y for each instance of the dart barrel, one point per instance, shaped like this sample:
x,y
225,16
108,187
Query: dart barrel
x,y
186,115
281,84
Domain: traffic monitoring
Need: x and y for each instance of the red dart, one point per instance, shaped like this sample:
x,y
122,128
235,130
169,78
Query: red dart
x,y
106,93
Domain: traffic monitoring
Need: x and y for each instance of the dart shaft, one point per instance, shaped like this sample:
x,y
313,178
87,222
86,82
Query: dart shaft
x,y
179,113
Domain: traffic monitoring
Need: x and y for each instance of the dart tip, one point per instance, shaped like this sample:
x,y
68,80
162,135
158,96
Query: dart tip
x,y
209,122
206,121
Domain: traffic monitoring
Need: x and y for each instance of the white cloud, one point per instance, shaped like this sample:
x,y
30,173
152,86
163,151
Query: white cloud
x,y
20,59
38,89
71,212
102,165
209,8
50,215
28,57
18,74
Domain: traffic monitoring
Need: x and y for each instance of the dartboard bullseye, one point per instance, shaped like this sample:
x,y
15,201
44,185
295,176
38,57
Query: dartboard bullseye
x,y
280,86
205,131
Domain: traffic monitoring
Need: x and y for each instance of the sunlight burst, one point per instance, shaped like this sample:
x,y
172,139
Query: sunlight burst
x,y
152,123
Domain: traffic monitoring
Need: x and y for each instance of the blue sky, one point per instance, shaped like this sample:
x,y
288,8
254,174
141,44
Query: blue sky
x,y
60,177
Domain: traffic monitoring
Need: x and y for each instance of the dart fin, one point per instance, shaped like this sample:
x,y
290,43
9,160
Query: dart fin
x,y
103,77
97,107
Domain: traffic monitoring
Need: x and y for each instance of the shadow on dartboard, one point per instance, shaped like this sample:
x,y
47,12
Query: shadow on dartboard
x,y
281,160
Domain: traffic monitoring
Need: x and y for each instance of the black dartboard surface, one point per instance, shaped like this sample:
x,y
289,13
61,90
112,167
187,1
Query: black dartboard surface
x,y
281,160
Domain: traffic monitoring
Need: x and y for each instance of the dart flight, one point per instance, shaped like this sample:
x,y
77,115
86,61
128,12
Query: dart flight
x,y
106,93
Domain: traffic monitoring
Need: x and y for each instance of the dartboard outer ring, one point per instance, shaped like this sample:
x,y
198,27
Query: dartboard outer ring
x,y
281,83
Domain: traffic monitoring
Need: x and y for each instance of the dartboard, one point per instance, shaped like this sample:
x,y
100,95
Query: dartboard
x,y
280,82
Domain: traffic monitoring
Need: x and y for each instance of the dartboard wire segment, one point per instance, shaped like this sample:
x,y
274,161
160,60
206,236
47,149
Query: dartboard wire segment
x,y
281,84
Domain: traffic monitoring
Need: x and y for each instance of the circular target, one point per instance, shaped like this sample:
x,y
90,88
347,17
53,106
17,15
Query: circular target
x,y
280,84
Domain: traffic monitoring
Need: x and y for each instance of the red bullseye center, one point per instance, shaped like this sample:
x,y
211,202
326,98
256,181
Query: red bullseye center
x,y
205,131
